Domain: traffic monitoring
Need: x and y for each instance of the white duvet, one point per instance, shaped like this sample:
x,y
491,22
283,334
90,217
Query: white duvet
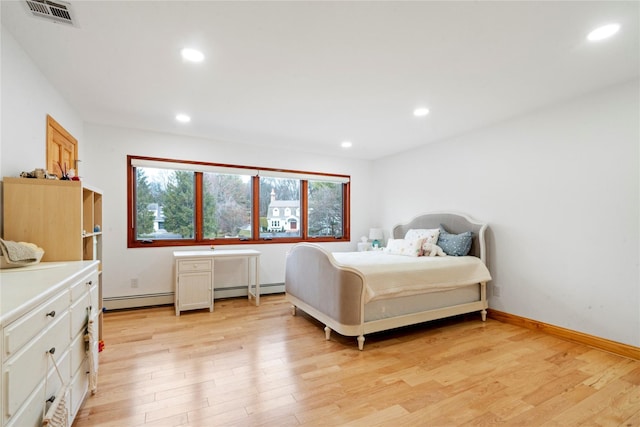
x,y
388,276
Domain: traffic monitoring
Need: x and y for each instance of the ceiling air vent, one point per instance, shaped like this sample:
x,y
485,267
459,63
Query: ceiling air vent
x,y
57,11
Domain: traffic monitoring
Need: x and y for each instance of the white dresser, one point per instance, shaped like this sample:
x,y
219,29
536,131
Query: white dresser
x,y
44,309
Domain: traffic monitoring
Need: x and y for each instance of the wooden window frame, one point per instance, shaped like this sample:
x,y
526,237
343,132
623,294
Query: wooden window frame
x,y
133,242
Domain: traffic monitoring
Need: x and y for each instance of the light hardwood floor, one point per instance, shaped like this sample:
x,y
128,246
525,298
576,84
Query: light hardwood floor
x,y
251,366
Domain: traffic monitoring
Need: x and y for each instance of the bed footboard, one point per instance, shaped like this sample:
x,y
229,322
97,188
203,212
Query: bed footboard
x,y
332,294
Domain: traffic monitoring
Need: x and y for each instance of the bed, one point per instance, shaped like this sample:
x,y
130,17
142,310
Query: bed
x,y
346,290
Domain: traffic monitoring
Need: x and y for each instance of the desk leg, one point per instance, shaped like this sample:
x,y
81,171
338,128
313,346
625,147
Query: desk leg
x,y
256,280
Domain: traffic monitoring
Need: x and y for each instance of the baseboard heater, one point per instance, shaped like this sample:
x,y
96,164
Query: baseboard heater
x,y
164,298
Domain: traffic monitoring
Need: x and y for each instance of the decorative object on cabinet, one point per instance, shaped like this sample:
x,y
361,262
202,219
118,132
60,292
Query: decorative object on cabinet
x,y
57,216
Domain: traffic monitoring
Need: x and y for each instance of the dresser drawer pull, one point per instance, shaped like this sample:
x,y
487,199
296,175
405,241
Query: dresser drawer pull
x,y
89,283
52,350
52,313
51,399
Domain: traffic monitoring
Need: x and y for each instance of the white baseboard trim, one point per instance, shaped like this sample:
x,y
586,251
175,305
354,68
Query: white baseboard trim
x,y
167,298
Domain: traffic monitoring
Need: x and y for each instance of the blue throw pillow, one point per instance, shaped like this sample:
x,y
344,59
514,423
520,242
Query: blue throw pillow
x,y
454,244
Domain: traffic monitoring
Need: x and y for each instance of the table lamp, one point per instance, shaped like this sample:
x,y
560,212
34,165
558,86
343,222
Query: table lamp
x,y
376,234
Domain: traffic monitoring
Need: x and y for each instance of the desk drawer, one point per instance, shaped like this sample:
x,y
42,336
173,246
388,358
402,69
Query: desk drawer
x,y
194,265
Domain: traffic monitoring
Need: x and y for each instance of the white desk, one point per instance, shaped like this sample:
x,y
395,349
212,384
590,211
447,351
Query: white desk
x,y
200,266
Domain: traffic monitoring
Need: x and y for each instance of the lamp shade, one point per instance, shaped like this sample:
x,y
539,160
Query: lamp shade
x,y
376,234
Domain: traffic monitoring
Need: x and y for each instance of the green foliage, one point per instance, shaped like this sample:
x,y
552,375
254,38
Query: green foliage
x,y
210,221
144,217
179,204
232,200
325,209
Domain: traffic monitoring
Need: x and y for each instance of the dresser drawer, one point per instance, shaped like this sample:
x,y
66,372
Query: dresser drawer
x,y
24,370
194,265
94,294
81,287
78,352
26,327
79,315
79,387
30,415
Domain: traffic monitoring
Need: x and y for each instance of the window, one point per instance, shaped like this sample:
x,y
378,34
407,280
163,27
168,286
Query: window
x,y
277,197
229,213
174,203
325,209
164,204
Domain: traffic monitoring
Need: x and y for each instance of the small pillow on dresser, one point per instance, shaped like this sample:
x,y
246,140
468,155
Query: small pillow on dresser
x,y
404,247
455,244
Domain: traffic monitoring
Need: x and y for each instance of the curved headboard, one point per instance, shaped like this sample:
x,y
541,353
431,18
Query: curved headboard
x,y
454,223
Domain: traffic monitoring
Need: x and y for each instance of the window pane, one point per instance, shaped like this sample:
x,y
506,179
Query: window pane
x,y
227,206
325,209
164,204
279,207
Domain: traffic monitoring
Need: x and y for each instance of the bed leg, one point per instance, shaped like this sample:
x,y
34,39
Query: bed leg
x,y
327,333
483,313
361,342
293,310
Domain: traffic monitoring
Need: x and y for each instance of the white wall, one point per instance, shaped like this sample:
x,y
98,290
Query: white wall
x,y
27,98
106,169
560,191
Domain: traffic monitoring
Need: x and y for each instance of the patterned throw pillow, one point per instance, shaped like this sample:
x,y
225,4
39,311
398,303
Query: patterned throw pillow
x,y
429,236
455,244
404,247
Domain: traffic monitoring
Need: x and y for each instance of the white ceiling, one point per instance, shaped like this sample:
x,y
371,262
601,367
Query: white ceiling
x,y
308,75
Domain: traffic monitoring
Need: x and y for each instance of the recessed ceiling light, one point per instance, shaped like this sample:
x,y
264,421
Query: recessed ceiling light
x,y
192,55
183,118
603,32
420,112
346,144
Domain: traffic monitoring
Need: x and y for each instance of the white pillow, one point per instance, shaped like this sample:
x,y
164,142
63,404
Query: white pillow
x,y
428,235
404,247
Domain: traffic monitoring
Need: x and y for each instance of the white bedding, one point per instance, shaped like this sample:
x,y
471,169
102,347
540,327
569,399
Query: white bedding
x,y
388,276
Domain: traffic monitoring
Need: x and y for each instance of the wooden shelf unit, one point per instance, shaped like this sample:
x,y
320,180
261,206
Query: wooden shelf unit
x,y
58,216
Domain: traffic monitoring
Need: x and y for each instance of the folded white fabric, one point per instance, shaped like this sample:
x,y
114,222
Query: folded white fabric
x,y
18,252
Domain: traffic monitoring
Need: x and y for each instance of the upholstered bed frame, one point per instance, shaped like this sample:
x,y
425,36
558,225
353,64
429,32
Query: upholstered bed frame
x,y
335,294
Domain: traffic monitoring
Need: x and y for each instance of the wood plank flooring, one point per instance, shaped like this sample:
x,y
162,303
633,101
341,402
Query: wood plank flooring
x,y
259,366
